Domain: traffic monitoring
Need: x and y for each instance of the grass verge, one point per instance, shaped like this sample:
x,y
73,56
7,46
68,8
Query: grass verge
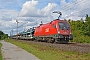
x,y
50,53
0,52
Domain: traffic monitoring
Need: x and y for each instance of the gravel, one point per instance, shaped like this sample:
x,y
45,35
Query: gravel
x,y
78,47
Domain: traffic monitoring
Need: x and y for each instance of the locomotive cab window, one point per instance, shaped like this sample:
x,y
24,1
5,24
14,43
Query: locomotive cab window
x,y
54,26
64,26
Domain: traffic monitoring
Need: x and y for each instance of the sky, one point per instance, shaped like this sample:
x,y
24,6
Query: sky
x,y
30,13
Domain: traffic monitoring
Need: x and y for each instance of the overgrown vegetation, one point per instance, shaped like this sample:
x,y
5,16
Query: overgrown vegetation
x,y
81,30
0,52
3,35
50,53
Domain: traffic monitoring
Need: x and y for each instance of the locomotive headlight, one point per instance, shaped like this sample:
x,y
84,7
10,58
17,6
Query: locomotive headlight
x,y
28,35
70,32
58,32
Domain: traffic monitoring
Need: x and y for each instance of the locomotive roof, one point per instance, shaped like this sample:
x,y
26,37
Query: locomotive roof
x,y
57,20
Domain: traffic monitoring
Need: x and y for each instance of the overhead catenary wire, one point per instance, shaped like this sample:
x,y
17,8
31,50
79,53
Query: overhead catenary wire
x,y
75,13
67,7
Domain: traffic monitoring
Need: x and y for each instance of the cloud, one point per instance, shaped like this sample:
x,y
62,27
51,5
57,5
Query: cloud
x,y
7,15
49,8
29,9
34,15
6,21
7,24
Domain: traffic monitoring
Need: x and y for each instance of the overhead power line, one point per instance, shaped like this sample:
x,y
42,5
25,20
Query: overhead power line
x,y
80,11
70,6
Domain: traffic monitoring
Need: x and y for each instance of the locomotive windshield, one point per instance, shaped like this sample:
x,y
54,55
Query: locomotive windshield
x,y
64,26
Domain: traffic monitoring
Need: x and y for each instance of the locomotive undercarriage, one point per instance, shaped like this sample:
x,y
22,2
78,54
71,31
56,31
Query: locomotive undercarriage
x,y
44,39
55,38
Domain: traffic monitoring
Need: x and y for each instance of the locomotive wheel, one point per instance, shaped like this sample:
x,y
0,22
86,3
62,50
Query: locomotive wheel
x,y
37,39
50,41
55,41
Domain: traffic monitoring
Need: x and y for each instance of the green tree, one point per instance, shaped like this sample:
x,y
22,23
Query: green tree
x,y
81,30
87,23
3,35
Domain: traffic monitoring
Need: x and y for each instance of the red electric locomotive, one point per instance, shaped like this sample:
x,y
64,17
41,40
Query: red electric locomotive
x,y
58,31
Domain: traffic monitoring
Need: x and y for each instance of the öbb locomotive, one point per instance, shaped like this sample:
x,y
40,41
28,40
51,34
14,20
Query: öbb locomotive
x,y
58,31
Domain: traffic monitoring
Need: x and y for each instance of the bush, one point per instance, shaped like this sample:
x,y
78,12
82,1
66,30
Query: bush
x,y
0,52
82,39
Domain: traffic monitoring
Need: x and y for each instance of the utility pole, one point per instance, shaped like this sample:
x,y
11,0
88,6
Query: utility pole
x,y
17,28
10,34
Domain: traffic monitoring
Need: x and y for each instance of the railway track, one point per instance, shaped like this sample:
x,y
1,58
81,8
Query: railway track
x,y
78,47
